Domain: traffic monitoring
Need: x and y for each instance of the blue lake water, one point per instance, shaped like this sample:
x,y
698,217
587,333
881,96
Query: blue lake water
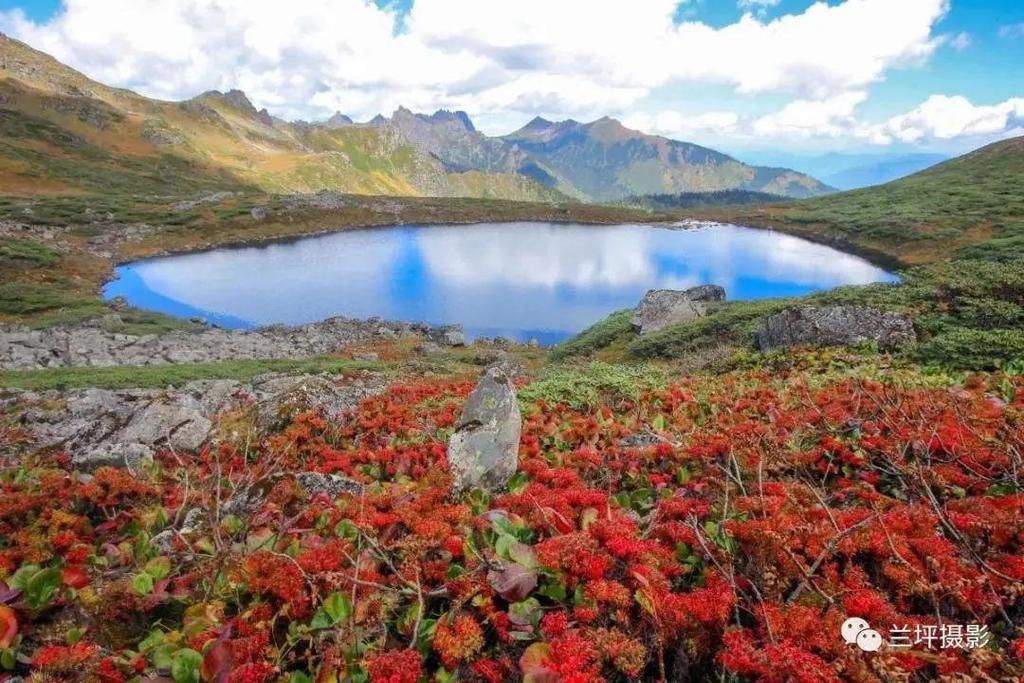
x,y
517,280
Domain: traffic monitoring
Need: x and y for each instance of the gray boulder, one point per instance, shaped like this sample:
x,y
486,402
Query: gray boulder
x,y
122,455
428,348
449,335
835,326
484,450
176,420
661,308
281,399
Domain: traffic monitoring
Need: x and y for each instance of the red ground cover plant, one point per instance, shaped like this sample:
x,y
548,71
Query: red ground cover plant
x,y
775,506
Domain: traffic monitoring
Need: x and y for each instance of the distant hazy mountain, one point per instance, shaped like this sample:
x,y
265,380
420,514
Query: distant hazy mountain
x,y
883,170
847,171
604,160
62,132
971,204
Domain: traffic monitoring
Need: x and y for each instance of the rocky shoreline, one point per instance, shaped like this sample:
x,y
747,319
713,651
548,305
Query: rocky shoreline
x,y
97,343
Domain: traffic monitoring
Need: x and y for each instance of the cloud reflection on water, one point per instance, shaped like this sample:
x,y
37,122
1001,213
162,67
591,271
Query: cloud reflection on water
x,y
519,279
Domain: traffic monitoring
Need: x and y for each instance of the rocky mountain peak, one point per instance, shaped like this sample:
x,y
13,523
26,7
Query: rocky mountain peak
x,y
235,98
339,120
264,116
240,100
459,117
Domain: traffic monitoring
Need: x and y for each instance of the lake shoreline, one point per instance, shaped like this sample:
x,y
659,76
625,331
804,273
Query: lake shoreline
x,y
555,278
90,251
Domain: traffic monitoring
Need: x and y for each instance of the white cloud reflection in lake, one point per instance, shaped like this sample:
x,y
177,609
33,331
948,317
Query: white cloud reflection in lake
x,y
518,279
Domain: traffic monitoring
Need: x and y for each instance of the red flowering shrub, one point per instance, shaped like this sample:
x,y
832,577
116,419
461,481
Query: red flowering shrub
x,y
401,666
773,506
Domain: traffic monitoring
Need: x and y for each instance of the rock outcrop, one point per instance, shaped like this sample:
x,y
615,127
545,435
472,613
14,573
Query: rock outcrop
x,y
835,326
124,428
95,345
484,450
663,307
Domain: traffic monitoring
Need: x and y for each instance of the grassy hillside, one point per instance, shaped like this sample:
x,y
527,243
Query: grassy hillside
x,y
61,133
963,220
969,206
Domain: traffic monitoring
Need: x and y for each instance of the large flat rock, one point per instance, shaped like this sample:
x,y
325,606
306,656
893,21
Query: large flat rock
x,y
835,326
661,308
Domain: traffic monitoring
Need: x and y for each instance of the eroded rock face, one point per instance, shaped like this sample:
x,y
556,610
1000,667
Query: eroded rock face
x,y
174,420
128,455
835,326
661,308
124,428
484,450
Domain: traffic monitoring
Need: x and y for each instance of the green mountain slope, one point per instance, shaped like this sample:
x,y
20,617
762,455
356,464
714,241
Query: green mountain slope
x,y
61,132
972,205
604,160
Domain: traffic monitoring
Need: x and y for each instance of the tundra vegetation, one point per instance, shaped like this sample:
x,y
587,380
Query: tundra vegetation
x,y
685,507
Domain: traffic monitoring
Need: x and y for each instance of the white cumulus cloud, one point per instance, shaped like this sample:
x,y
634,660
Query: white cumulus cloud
x,y
939,118
942,117
499,60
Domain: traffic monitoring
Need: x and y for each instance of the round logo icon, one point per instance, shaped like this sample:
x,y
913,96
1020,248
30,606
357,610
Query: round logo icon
x,y
869,640
851,627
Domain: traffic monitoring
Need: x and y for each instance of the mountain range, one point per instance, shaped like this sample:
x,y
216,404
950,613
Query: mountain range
x,y
849,170
63,132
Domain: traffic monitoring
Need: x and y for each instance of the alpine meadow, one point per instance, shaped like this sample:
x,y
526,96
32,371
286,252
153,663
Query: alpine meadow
x,y
435,340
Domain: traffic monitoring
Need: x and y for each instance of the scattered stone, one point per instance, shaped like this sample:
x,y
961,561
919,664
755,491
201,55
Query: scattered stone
x,y
428,348
484,450
366,357
661,308
641,440
259,213
159,134
533,343
92,344
101,427
131,456
212,198
242,504
287,397
835,326
195,520
330,485
500,360
449,335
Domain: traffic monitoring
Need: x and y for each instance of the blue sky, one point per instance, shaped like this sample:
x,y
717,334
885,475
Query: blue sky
x,y
858,75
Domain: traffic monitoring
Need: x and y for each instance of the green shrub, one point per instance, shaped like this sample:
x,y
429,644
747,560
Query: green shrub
x,y
732,323
613,329
972,349
26,254
587,386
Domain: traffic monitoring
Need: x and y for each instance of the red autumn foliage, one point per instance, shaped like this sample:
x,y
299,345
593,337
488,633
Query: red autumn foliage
x,y
777,505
